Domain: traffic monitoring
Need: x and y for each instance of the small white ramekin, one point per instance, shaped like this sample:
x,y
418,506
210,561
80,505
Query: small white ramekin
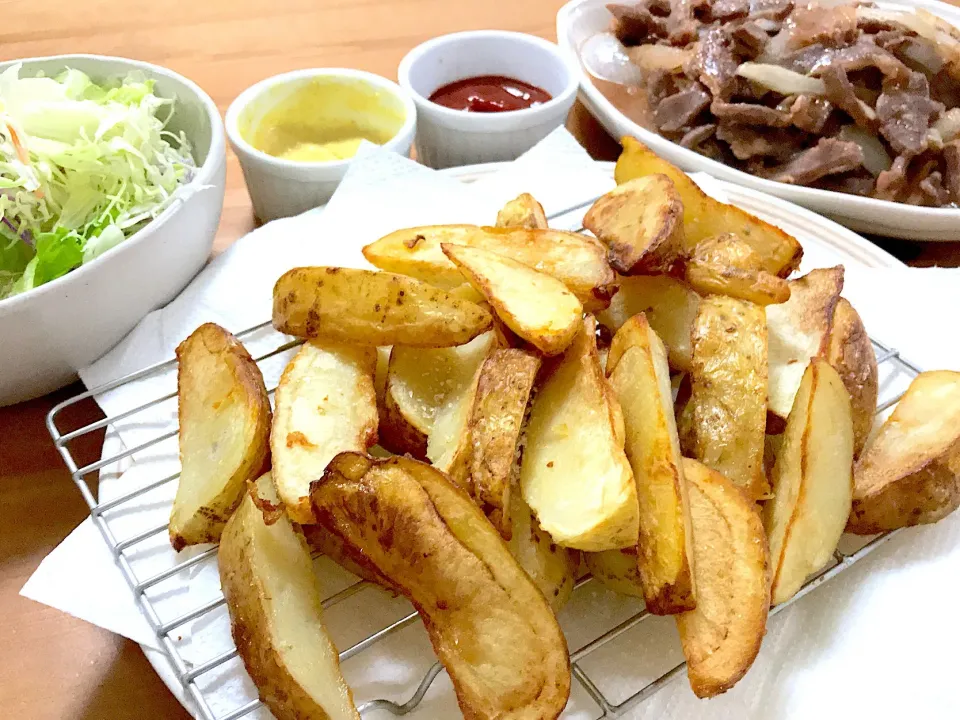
x,y
445,137
281,188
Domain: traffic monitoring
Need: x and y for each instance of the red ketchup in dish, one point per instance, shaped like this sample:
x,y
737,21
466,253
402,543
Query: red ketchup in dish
x,y
489,93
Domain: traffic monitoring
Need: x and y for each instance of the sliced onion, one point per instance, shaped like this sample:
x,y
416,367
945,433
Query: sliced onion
x,y
660,57
924,53
605,57
781,80
875,157
948,125
924,23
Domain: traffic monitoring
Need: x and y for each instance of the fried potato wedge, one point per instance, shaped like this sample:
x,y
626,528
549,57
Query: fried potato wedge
x,y
797,331
325,404
496,423
812,481
522,212
372,308
578,261
638,373
276,618
727,265
490,626
851,354
321,541
224,416
641,221
418,385
721,637
909,473
536,306
729,390
704,217
574,473
552,568
670,306
619,570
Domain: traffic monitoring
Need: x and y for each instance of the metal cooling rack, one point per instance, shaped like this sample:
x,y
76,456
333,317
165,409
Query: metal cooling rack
x,y
188,674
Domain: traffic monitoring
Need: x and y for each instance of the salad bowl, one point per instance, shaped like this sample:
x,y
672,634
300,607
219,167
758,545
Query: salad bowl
x,y
50,331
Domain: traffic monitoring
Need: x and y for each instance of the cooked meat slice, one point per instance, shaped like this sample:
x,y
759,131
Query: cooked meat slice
x,y
749,39
714,63
635,24
750,114
729,9
748,142
905,111
829,157
854,183
829,26
692,138
920,170
951,158
945,88
841,93
892,183
680,110
810,113
864,53
770,9
933,191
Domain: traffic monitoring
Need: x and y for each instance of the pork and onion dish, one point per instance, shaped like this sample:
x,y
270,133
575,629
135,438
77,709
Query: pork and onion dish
x,y
846,97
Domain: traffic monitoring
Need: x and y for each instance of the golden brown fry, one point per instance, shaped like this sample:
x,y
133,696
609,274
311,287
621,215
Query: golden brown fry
x,y
619,570
522,212
909,473
641,221
491,628
224,416
727,265
704,217
729,389
372,308
535,306
851,354
721,637
578,261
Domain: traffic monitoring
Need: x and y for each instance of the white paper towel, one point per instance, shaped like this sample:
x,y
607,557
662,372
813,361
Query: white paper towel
x,y
853,646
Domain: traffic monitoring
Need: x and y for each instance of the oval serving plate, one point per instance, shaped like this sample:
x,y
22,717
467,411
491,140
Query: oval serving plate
x,y
825,243
580,19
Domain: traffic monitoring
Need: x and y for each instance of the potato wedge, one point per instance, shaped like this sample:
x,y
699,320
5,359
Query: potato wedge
x,y
417,387
321,541
536,306
503,392
728,265
729,389
721,637
491,628
851,354
704,217
325,404
224,416
578,261
638,373
618,570
797,331
812,481
909,473
552,568
372,308
276,618
522,212
641,221
670,307
574,473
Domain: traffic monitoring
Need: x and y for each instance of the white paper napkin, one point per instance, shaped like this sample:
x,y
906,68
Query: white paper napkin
x,y
856,645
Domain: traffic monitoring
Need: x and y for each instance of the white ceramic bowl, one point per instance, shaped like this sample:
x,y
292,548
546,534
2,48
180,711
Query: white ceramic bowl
x,y
281,188
48,333
446,137
580,19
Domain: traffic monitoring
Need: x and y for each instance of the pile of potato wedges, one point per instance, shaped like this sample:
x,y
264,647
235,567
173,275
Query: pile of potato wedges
x,y
497,411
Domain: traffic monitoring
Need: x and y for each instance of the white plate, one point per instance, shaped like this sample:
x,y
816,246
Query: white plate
x,y
581,19
825,244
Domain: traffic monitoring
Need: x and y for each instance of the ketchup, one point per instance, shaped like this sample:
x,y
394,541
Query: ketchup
x,y
489,93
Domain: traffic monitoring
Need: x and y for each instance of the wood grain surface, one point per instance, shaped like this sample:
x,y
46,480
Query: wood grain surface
x,y
57,667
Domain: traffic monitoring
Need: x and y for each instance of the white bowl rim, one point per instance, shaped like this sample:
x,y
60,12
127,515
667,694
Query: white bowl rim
x,y
205,173
491,120
801,194
254,91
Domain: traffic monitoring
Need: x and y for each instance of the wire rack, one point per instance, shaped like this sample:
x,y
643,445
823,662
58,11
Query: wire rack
x,y
189,673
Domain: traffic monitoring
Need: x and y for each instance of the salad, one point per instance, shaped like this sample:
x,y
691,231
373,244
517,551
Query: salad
x,y
83,166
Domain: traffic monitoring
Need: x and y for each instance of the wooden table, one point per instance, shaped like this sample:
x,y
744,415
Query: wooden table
x,y
57,667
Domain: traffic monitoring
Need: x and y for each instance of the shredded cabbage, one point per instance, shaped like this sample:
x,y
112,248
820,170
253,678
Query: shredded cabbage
x,y
83,166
